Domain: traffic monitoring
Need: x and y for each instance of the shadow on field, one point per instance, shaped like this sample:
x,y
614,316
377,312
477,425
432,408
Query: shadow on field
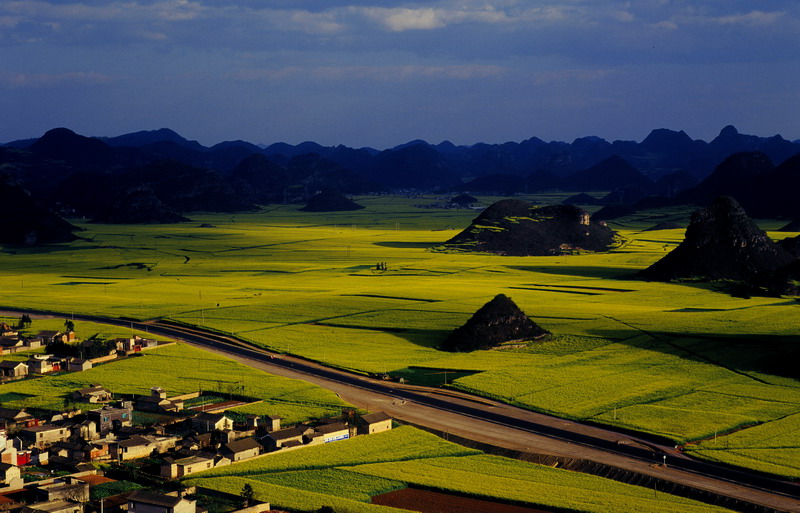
x,y
425,338
405,244
742,353
608,272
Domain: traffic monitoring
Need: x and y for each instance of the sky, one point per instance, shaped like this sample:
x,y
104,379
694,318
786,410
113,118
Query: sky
x,y
378,74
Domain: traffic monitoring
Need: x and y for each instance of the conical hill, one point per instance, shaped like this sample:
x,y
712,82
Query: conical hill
x,y
497,322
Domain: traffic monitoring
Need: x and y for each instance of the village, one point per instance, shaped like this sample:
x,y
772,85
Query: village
x,y
49,461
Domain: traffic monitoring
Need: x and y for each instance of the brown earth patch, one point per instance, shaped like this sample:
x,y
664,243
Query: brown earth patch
x,y
427,501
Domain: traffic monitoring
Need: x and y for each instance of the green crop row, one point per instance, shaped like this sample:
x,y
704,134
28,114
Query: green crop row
x,y
627,352
362,467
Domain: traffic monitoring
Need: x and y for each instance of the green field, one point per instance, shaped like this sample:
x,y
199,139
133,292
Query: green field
x,y
293,400
346,474
683,361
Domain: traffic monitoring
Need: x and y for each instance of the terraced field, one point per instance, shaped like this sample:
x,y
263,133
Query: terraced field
x,y
682,361
347,474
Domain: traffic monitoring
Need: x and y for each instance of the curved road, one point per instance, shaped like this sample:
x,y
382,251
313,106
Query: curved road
x,y
495,423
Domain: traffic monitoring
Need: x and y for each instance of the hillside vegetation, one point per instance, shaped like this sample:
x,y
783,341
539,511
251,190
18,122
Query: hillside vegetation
x,y
361,291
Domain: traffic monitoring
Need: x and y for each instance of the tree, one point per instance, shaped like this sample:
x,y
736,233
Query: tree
x,y
326,509
247,494
25,321
69,325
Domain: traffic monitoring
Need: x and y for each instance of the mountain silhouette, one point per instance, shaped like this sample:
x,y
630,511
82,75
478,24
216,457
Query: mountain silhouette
x,y
25,221
330,200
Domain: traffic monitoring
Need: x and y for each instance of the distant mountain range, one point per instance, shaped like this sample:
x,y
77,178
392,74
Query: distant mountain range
x,y
158,175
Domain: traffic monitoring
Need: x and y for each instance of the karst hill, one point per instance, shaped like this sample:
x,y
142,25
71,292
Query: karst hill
x,y
25,221
721,243
518,228
329,200
498,322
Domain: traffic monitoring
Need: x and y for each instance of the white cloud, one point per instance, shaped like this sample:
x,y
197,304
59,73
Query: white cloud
x,y
401,19
751,18
27,80
375,73
570,75
315,23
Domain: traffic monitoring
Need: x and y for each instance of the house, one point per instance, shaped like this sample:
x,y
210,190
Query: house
x,y
157,402
78,364
77,451
13,369
143,501
48,337
135,344
59,506
328,433
128,345
93,393
110,418
10,475
13,418
139,446
44,363
374,423
241,449
206,422
287,437
10,343
195,442
86,430
33,343
63,488
44,435
273,423
177,468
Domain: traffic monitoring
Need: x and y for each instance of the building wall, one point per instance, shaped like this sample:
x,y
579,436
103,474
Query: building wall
x,y
252,453
378,427
184,506
43,438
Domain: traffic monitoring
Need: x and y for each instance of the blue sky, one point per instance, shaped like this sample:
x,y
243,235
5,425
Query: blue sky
x,y
367,73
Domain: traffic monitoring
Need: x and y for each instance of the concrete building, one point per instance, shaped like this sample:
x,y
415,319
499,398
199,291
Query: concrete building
x,y
207,422
139,446
328,433
157,402
10,475
59,506
64,488
374,423
177,468
78,364
13,369
241,449
44,435
141,501
109,418
287,437
92,394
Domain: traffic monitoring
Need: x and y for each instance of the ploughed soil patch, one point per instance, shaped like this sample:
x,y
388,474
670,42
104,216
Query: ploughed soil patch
x,y
437,502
